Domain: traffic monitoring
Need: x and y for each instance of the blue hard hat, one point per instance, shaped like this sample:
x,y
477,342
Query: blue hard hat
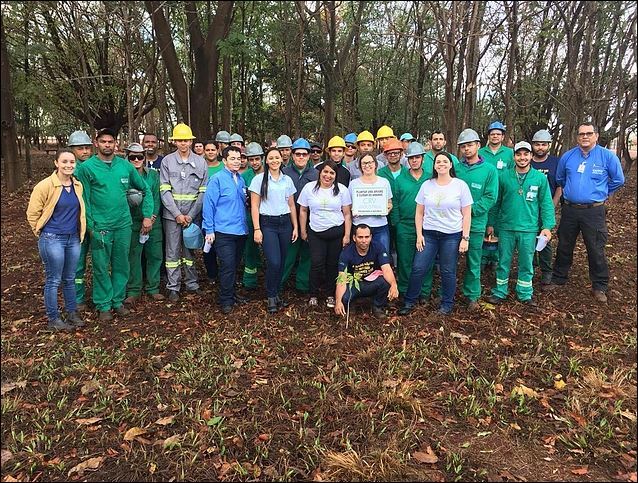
x,y
351,138
300,143
193,238
406,136
496,125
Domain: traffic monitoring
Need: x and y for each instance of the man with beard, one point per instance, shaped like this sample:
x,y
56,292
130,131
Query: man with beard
x,y
437,144
153,160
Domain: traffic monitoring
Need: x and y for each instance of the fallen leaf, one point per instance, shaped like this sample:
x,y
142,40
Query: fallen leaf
x,y
133,432
10,386
6,455
165,421
524,390
172,441
629,415
90,464
427,456
88,421
560,384
464,338
515,426
89,387
581,471
264,437
152,468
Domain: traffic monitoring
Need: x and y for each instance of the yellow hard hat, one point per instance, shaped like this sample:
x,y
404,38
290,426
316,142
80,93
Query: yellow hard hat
x,y
336,142
385,132
180,132
365,136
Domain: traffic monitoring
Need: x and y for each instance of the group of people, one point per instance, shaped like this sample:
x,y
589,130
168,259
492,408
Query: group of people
x,y
295,207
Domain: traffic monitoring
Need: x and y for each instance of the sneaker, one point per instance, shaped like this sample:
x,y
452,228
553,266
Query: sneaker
x,y
106,315
313,302
173,295
599,296
379,312
493,299
272,305
75,319
330,302
406,309
59,324
157,296
123,311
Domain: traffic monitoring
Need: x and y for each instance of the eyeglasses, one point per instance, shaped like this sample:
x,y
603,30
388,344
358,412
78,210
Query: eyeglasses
x,y
136,157
367,163
393,153
299,153
315,151
350,146
586,134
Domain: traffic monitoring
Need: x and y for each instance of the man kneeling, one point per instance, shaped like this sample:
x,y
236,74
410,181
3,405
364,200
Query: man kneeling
x,y
369,263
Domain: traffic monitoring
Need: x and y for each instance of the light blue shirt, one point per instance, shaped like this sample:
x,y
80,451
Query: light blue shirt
x,y
225,204
591,178
276,201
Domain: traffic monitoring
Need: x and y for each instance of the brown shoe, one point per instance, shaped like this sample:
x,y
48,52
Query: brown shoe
x,y
473,306
106,315
157,296
131,300
600,296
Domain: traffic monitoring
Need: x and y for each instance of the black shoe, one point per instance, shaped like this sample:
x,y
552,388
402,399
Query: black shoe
x,y
494,300
406,309
272,305
59,324
529,302
281,303
173,295
75,319
546,279
423,300
227,309
196,291
241,300
123,311
379,312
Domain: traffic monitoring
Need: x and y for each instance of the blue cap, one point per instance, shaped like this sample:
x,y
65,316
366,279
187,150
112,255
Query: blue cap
x,y
496,125
351,138
300,143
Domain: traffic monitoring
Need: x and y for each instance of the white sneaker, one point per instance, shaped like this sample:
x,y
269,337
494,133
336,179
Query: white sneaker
x,y
330,302
313,301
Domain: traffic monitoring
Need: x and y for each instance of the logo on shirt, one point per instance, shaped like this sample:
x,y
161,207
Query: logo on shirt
x,y
477,186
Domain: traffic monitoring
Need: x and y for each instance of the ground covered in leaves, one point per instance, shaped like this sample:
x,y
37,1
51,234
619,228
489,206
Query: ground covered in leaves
x,y
180,392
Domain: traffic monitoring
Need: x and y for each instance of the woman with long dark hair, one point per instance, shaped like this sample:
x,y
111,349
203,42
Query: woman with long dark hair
x,y
272,207
328,203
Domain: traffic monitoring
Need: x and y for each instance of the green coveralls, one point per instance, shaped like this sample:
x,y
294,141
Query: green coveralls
x,y
524,203
502,159
406,188
252,259
108,218
387,174
152,249
482,178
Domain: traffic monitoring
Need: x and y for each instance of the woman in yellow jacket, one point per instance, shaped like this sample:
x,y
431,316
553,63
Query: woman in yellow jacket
x,y
57,217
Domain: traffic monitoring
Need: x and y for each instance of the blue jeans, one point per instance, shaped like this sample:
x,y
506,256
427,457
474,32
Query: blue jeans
x,y
60,255
210,263
229,249
381,234
277,232
447,247
377,289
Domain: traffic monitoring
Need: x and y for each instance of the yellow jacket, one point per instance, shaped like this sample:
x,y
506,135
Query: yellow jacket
x,y
43,199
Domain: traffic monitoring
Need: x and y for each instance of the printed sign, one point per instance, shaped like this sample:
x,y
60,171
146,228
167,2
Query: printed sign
x,y
369,201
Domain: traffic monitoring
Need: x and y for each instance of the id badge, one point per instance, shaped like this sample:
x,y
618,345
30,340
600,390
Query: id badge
x,y
500,164
183,175
581,167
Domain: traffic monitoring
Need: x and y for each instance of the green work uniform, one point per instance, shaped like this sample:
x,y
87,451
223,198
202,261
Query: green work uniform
x,y
251,250
406,188
212,170
502,160
524,203
152,249
391,177
482,178
428,162
108,218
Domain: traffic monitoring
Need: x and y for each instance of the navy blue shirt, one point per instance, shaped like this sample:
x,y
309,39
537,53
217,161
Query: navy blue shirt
x,y
548,168
157,163
65,219
364,265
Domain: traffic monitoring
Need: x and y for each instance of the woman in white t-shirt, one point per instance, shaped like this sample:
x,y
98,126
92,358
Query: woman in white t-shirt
x,y
442,222
378,223
330,221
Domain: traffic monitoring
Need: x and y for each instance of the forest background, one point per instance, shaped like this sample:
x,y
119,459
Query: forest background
x,y
315,69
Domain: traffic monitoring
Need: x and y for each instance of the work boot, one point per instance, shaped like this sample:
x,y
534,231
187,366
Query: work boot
x,y
600,296
272,305
196,291
131,299
473,306
157,296
106,315
379,312
81,308
59,324
123,311
173,295
75,319
406,309
494,300
529,302
546,279
281,303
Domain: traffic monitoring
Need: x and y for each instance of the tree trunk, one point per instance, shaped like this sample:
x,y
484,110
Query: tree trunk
x,y
227,94
12,166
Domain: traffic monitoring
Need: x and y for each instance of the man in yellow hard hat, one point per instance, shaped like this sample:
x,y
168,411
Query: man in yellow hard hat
x,y
336,151
183,179
385,134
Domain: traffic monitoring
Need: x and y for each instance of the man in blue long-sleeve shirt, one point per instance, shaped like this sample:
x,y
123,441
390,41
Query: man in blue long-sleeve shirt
x,y
225,223
588,174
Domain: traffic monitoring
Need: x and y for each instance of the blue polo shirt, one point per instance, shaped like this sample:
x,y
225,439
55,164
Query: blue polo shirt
x,y
589,178
276,201
225,204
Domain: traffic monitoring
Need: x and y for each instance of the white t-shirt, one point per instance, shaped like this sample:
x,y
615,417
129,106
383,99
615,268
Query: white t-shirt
x,y
324,206
443,205
372,221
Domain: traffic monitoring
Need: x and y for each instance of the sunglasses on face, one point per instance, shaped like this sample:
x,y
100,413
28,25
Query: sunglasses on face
x,y
136,157
315,151
349,145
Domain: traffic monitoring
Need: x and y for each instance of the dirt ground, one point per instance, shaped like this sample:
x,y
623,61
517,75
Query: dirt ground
x,y
181,392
